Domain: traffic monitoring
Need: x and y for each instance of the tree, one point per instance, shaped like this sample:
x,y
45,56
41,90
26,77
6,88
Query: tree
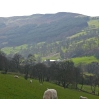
x,y
77,76
30,59
2,55
53,72
39,71
29,62
66,72
26,70
17,59
3,62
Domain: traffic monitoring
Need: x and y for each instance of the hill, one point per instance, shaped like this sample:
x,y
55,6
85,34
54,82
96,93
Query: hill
x,y
16,31
50,36
12,88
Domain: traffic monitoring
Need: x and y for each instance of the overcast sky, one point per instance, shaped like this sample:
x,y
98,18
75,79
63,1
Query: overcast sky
x,y
28,7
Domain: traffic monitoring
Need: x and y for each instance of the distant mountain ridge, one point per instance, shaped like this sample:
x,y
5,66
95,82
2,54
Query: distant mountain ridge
x,y
18,30
36,18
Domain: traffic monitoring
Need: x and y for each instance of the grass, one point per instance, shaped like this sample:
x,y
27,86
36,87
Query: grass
x,y
88,88
84,60
9,50
94,23
13,88
78,34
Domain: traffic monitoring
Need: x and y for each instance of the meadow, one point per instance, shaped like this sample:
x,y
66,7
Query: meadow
x,y
93,22
9,50
84,60
19,88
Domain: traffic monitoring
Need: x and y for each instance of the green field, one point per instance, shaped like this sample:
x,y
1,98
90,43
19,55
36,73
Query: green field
x,y
94,22
19,88
9,50
84,60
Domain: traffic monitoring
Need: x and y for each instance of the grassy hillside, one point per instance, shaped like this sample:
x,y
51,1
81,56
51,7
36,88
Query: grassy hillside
x,y
84,60
94,22
13,50
12,88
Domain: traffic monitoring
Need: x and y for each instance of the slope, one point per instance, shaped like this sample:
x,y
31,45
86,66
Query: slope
x,y
12,88
15,31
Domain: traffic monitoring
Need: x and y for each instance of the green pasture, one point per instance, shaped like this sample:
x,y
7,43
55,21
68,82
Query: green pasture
x,y
9,50
84,60
94,23
19,88
88,88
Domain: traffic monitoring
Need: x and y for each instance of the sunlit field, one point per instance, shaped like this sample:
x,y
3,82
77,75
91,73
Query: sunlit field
x,y
84,60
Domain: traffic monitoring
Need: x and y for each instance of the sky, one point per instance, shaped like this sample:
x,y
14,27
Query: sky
x,y
10,8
